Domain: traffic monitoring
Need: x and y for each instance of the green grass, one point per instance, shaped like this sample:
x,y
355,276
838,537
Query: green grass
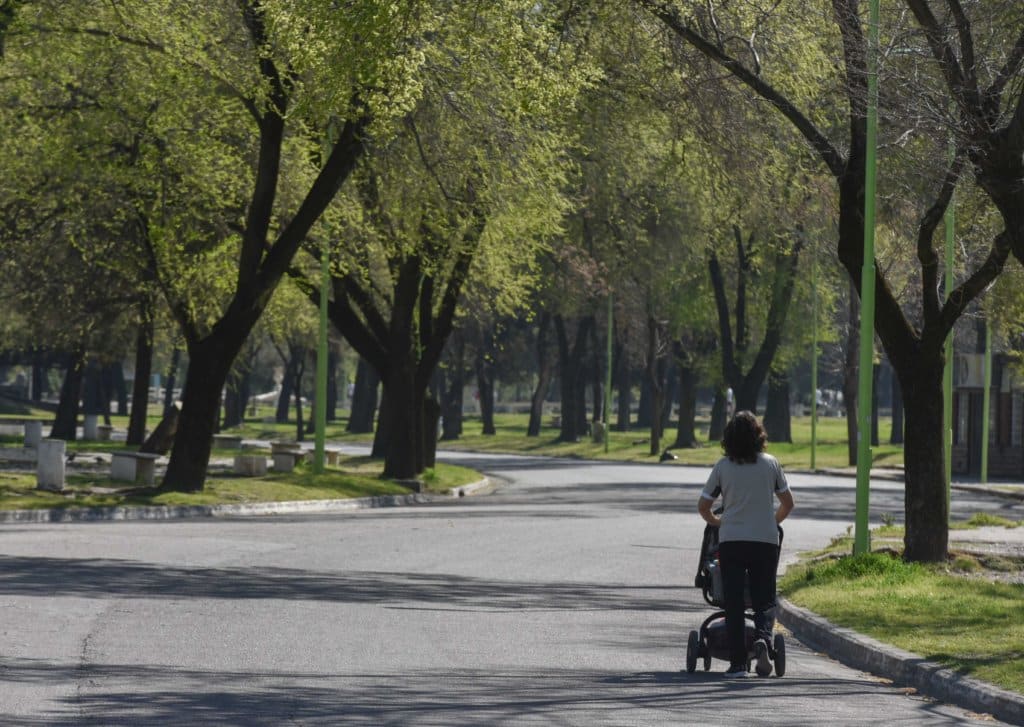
x,y
983,519
634,446
354,477
967,624
631,446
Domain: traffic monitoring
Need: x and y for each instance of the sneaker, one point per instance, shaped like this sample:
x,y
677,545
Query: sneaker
x,y
764,666
737,672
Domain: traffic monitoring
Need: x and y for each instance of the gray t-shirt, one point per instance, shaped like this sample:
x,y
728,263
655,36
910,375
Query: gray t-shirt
x,y
748,498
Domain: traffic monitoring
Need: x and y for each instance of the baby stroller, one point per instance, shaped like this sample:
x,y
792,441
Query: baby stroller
x,y
711,640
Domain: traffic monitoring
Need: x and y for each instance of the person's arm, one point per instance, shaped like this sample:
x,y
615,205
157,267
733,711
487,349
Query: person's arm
x,y
785,505
704,508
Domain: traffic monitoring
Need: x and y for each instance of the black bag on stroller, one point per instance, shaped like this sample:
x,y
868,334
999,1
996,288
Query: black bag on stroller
x,y
710,641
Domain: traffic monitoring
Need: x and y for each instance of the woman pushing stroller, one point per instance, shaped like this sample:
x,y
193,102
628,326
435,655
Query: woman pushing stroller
x,y
748,480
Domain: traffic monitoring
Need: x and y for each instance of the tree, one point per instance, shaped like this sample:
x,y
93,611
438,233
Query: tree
x,y
983,111
255,84
461,197
291,324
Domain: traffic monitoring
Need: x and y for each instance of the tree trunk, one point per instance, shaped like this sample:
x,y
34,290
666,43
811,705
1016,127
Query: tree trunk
x,y
284,397
850,384
485,387
431,413
566,383
363,407
875,370
402,408
118,387
92,389
896,437
485,383
624,385
452,401
597,377
210,359
162,438
925,506
38,381
777,422
382,433
656,380
544,371
671,393
580,392
644,406
65,423
236,398
298,356
686,430
140,388
718,415
332,384
172,374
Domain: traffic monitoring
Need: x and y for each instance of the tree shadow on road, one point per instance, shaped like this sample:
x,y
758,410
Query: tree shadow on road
x,y
144,696
106,578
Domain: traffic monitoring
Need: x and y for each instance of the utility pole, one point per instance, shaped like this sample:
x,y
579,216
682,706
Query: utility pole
x,y
861,542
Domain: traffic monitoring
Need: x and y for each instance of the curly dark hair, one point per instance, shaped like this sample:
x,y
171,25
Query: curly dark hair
x,y
744,438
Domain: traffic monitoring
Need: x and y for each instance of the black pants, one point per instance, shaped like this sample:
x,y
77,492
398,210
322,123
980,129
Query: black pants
x,y
747,562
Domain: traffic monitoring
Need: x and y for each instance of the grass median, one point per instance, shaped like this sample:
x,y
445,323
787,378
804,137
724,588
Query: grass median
x,y
634,445
959,614
354,477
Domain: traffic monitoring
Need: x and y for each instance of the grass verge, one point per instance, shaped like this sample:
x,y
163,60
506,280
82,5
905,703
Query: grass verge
x,y
966,623
634,446
631,446
354,477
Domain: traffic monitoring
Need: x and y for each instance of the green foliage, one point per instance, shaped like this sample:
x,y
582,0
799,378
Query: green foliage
x,y
984,519
880,567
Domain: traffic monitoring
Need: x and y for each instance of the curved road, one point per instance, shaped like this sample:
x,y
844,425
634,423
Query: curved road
x,y
563,598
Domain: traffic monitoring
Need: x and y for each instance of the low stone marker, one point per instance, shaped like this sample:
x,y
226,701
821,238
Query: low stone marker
x,y
89,427
103,432
285,455
330,456
50,465
33,434
227,441
250,465
137,467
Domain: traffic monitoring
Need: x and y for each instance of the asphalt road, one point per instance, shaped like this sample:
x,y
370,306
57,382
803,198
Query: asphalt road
x,y
563,598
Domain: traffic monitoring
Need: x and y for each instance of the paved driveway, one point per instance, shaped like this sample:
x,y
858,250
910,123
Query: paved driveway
x,y
561,599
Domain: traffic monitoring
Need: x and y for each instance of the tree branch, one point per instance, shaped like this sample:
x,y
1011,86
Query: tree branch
x,y
926,254
669,16
729,366
975,285
1007,72
941,50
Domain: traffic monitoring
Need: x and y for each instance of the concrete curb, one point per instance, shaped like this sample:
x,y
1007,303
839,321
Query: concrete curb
x,y
160,512
902,667
995,491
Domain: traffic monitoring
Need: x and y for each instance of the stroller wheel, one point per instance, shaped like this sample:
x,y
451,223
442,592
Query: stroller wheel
x,y
779,645
692,649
